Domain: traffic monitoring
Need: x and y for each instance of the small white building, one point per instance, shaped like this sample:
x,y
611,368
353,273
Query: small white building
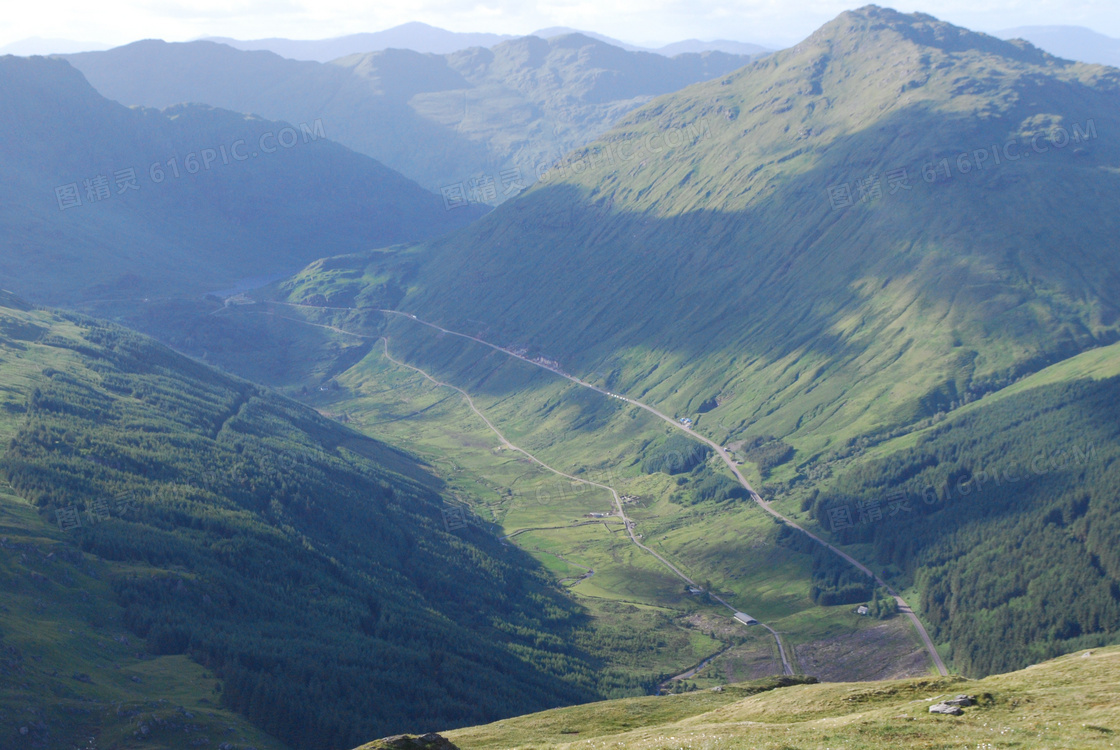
x,y
746,619
862,610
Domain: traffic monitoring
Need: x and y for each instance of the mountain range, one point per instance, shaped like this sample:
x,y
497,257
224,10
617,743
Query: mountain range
x,y
841,246
736,227
828,336
415,36
421,37
1070,42
478,124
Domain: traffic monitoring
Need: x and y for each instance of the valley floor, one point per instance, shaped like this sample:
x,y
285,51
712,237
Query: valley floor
x,y
545,509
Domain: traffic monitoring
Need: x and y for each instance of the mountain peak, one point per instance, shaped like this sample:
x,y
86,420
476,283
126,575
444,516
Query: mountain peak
x,y
872,23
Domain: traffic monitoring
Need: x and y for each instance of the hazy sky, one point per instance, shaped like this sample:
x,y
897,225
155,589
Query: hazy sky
x,y
648,21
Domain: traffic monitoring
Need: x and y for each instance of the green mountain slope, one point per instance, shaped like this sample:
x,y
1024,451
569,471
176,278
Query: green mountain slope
x,y
718,278
712,272
101,201
1067,703
307,568
72,671
443,120
1010,521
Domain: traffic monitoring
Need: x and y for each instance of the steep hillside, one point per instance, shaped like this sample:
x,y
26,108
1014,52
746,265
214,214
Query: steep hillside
x,y
883,222
72,671
102,201
443,120
1004,513
308,570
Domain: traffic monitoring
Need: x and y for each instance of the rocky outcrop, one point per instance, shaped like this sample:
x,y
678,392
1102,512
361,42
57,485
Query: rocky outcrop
x,y
953,706
430,741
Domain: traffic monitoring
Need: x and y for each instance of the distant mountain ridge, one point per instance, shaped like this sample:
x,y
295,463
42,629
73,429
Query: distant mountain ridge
x,y
669,50
422,37
415,36
1070,42
100,200
36,45
478,124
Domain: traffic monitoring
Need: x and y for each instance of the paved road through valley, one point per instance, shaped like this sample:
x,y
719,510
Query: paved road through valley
x,y
903,607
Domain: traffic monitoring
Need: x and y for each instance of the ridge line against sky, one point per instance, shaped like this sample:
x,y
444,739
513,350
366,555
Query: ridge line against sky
x,y
653,23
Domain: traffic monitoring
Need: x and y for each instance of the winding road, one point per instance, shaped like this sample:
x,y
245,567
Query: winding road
x,y
629,525
903,607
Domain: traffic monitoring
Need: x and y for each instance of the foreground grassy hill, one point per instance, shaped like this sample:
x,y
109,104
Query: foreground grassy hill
x,y
442,120
1070,702
307,571
102,201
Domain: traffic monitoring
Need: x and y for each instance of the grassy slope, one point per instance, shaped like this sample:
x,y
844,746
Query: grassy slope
x,y
60,620
72,672
1095,364
1071,702
226,476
